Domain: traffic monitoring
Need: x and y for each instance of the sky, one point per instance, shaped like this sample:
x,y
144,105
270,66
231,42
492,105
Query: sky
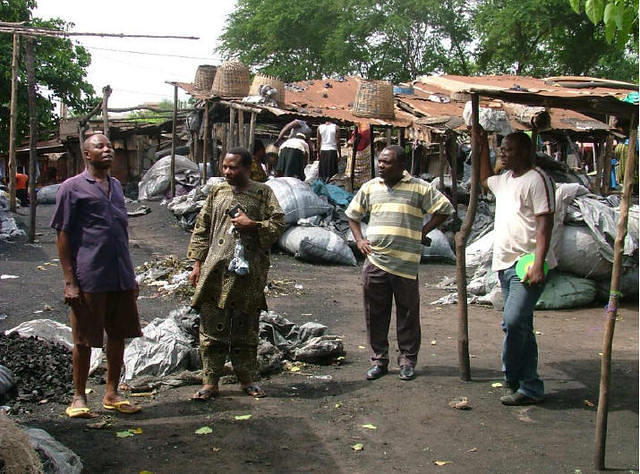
x,y
139,78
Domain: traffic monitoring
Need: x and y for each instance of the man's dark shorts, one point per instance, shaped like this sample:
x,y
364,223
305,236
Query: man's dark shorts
x,y
114,312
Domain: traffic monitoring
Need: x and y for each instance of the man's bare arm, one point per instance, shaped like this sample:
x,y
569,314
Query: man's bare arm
x,y
435,221
544,227
363,244
485,163
71,289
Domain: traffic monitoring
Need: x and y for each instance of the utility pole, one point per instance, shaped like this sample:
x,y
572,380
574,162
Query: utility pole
x,y
13,119
106,92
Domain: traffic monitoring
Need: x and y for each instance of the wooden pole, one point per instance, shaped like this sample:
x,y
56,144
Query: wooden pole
x,y
608,156
140,155
461,243
33,138
442,165
614,294
373,157
252,131
13,119
224,134
205,141
452,152
173,141
232,124
106,92
352,168
241,141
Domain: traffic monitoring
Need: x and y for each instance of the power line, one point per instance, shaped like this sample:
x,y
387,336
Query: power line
x,y
10,27
148,53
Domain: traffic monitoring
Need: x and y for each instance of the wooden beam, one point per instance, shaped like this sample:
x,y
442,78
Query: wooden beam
x,y
241,141
461,243
33,138
614,296
173,140
372,148
106,92
442,166
232,126
252,131
205,142
353,157
13,119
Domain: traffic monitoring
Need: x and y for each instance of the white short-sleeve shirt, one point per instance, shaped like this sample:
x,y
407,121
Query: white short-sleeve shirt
x,y
518,201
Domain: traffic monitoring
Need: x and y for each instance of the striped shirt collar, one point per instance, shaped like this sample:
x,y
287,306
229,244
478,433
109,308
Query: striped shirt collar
x,y
406,177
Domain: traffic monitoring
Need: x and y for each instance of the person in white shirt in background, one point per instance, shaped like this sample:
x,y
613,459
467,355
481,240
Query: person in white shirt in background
x,y
329,146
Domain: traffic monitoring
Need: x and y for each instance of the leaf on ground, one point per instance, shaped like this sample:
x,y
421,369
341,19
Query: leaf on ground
x,y
146,472
338,405
441,463
361,347
124,434
295,369
243,417
369,426
136,431
496,384
358,447
589,404
204,430
215,450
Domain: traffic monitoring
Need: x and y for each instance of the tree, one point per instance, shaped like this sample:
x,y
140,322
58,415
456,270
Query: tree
x,y
60,73
619,17
545,37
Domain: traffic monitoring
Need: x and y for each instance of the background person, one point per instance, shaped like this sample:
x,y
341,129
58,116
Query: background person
x,y
329,145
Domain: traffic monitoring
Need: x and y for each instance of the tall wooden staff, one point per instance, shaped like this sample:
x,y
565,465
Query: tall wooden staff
x,y
33,138
461,243
173,140
614,294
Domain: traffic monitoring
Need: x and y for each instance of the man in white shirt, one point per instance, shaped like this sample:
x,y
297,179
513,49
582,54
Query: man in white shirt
x,y
293,157
525,204
329,145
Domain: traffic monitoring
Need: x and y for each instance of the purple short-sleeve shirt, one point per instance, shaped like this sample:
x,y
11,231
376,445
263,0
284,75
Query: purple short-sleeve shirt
x,y
97,225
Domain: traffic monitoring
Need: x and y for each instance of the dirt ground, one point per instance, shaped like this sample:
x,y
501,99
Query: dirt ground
x,y
310,425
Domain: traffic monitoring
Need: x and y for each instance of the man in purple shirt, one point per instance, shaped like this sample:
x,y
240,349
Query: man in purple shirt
x,y
99,280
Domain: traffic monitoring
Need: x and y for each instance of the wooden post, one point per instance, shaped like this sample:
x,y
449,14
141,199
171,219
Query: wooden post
x,y
442,165
140,155
388,135
214,149
372,148
173,140
205,142
598,150
241,141
452,152
33,138
225,146
252,132
461,243
608,156
352,168
232,124
13,119
106,92
614,294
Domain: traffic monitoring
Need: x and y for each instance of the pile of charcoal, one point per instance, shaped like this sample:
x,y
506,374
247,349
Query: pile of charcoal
x,y
41,370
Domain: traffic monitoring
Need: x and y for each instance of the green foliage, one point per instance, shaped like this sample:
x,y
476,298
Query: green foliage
x,y
60,67
619,17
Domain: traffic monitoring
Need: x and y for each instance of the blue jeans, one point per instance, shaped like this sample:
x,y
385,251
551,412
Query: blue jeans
x,y
520,349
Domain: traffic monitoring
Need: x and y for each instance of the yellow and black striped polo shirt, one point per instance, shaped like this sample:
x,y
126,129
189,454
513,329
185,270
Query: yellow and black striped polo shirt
x,y
396,216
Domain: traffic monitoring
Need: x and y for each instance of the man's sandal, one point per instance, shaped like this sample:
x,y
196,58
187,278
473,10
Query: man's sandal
x,y
123,406
78,412
254,391
204,394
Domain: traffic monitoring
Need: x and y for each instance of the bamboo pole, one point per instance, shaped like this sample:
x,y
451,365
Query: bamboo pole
x,y
241,141
173,141
252,132
461,242
352,168
106,92
205,141
612,308
33,138
372,149
13,119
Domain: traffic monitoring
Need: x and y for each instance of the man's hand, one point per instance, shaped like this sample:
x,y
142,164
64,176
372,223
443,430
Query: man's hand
x,y
194,277
364,246
243,223
71,293
534,275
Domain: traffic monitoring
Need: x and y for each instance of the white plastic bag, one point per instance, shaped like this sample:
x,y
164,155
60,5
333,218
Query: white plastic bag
x,y
297,199
317,244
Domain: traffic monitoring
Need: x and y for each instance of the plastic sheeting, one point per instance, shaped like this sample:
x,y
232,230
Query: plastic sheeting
x,y
157,180
47,194
296,199
439,248
53,331
56,458
491,120
566,291
317,244
336,195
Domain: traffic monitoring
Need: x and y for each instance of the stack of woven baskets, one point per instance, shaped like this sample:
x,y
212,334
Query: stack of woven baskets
x,y
232,80
263,80
374,99
204,77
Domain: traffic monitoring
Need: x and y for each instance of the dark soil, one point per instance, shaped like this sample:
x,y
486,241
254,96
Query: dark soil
x,y
309,424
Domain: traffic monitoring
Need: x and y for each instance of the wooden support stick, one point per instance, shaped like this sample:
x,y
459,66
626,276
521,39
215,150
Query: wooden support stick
x,y
214,149
33,138
354,153
225,145
174,137
608,156
612,308
373,157
232,126
241,141
106,92
13,119
442,166
252,132
461,243
205,141
452,152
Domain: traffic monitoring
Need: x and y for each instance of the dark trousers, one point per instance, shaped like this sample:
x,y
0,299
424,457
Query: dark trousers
x,y
328,165
380,288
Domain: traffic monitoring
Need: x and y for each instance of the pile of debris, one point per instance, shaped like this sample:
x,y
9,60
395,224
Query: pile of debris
x,y
41,370
169,275
8,227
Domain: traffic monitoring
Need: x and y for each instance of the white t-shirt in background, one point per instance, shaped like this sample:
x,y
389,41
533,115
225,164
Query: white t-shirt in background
x,y
328,135
518,202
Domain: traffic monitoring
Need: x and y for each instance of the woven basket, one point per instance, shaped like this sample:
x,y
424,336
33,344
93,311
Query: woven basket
x,y
374,99
274,82
232,80
204,77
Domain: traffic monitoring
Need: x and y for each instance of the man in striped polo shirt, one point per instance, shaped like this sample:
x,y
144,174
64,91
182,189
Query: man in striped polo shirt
x,y
396,204
525,204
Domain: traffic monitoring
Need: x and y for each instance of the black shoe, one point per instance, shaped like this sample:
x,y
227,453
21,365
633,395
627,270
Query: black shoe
x,y
407,372
376,371
518,399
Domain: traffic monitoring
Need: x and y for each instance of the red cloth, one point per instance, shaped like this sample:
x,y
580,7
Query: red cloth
x,y
364,139
21,181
